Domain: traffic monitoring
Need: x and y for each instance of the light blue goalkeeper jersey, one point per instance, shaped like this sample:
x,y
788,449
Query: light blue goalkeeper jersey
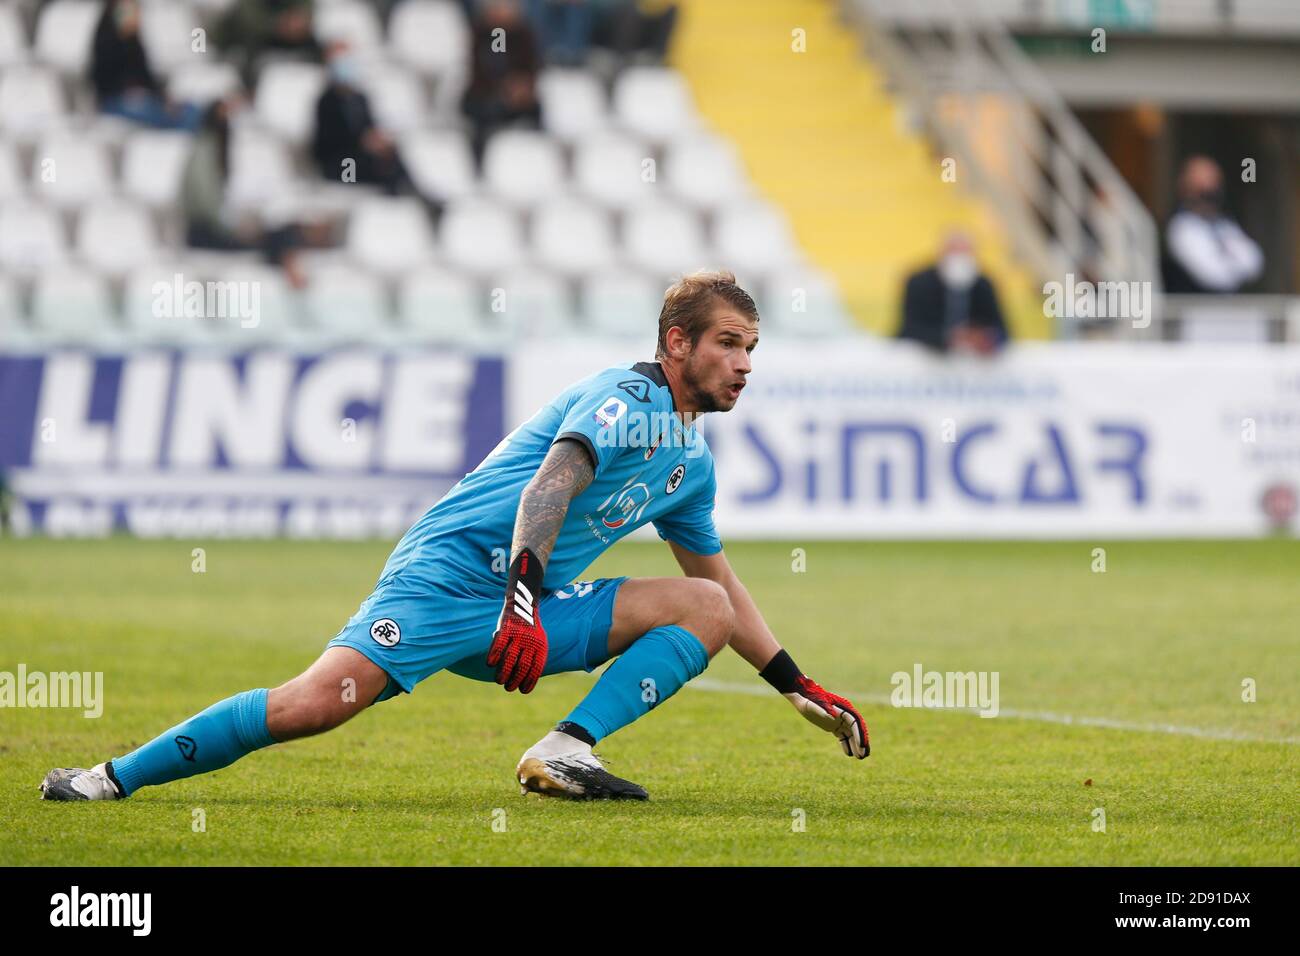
x,y
648,469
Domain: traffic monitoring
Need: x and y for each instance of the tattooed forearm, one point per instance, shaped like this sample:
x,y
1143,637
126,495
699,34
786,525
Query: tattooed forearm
x,y
565,473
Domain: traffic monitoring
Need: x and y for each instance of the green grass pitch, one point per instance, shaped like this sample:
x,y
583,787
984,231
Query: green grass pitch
x,y
1164,638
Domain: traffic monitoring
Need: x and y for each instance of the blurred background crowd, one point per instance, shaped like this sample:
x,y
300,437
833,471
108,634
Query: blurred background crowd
x,y
470,172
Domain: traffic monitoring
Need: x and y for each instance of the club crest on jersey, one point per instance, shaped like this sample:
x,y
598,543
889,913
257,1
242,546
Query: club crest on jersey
x,y
610,411
675,479
624,505
386,632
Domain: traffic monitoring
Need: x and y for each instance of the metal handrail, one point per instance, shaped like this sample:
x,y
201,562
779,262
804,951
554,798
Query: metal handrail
x,y
1066,207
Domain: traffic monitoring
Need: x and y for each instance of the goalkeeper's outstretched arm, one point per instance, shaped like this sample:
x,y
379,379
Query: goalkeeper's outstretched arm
x,y
753,640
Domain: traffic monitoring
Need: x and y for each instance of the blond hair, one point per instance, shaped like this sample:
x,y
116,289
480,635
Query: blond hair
x,y
688,304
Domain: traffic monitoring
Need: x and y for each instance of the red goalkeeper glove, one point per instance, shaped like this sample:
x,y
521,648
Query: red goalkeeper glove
x,y
518,650
830,712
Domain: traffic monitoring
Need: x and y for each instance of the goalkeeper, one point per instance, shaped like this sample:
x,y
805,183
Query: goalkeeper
x,y
612,452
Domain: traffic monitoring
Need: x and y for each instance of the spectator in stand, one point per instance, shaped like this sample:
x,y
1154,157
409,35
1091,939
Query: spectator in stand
x,y
563,29
124,84
639,28
951,306
252,28
209,221
503,82
346,131
1205,250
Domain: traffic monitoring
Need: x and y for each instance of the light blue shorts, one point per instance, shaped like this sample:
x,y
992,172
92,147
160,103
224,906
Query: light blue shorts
x,y
415,628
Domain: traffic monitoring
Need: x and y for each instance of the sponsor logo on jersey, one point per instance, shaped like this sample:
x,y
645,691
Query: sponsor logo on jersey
x,y
624,505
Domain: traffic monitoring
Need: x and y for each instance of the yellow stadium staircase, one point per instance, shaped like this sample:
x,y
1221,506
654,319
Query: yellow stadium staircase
x,y
823,139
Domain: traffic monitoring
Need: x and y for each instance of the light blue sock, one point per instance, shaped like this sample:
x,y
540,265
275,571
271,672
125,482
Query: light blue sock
x,y
210,740
645,675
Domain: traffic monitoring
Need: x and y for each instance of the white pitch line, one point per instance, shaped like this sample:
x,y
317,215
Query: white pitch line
x,y
1042,716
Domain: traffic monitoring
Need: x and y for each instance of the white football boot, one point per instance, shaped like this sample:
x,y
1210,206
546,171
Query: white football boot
x,y
562,766
74,783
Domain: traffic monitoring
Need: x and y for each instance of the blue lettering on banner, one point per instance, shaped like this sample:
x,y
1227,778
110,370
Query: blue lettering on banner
x,y
889,462
346,442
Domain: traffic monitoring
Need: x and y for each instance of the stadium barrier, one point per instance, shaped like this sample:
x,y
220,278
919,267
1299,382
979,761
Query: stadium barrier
x,y
863,439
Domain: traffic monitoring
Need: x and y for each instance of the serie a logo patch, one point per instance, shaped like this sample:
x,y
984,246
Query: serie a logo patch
x,y
610,411
386,632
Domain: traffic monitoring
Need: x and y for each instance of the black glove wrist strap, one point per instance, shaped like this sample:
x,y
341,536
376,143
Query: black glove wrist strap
x,y
782,673
524,585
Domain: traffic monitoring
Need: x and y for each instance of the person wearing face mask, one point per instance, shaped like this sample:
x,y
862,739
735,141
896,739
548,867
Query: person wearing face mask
x,y
347,133
1205,250
950,306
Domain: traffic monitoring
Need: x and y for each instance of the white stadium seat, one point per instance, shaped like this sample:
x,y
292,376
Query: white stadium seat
x,y
705,170
261,169
533,304
11,180
523,166
286,98
804,302
213,7
481,236
72,306
166,30
623,303
573,102
347,305
31,101
149,314
114,237
152,165
396,97
14,332
430,35
572,236
64,34
654,102
203,82
31,238
439,305
611,168
753,236
70,170
663,238
390,236
440,162
350,20
265,288
13,39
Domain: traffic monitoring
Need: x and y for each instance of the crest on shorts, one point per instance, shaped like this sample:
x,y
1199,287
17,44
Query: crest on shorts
x,y
386,632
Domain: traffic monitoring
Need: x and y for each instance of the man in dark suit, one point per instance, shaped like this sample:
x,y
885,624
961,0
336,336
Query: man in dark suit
x,y
346,130
950,306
